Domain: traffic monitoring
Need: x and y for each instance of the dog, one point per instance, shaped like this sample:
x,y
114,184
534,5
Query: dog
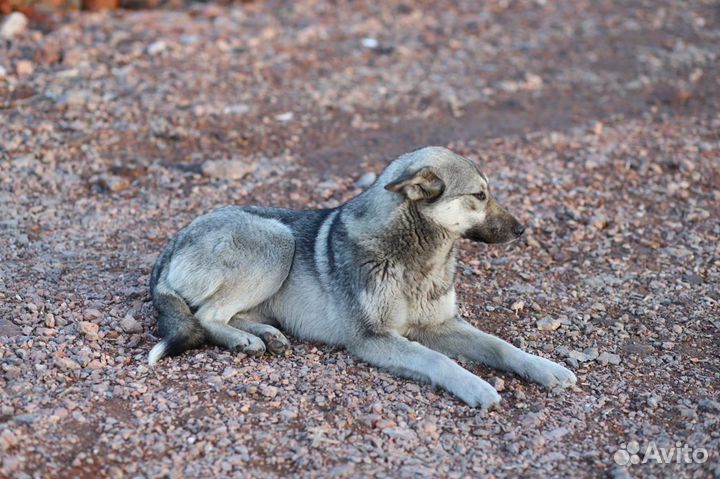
x,y
374,275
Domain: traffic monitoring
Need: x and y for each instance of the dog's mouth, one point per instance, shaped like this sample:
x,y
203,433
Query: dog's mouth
x,y
495,233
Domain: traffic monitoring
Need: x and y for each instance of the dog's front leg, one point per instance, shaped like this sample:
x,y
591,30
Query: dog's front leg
x,y
413,360
456,337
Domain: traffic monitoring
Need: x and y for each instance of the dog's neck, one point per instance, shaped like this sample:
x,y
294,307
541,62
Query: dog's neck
x,y
394,225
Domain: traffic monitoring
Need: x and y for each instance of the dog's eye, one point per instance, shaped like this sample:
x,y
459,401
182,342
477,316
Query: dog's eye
x,y
480,196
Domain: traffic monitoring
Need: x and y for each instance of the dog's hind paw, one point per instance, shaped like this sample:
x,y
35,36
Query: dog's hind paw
x,y
251,345
548,373
276,342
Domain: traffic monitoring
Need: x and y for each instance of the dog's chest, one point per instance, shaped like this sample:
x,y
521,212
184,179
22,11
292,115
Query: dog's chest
x,y
409,298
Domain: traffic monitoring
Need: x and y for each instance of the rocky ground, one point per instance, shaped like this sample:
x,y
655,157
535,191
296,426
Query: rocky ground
x,y
597,122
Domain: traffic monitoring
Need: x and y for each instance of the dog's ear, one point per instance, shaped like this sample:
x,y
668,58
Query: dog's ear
x,y
422,184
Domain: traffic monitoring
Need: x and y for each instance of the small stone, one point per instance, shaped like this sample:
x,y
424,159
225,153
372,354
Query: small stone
x,y
73,98
24,68
556,434
653,401
548,324
7,440
606,358
66,364
236,109
9,329
287,116
369,42
591,354
497,383
562,351
27,418
517,306
597,307
366,180
3,72
13,25
112,183
599,222
92,314
95,364
157,47
215,380
428,427
577,356
131,325
269,391
533,82
89,329
709,405
229,169
686,412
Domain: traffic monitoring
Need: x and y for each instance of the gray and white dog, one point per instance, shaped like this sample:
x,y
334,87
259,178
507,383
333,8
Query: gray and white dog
x,y
374,275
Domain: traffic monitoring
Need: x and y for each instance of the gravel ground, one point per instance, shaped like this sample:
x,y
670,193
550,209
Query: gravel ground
x,y
597,122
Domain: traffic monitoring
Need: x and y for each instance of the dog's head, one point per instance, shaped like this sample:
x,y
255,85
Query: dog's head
x,y
450,191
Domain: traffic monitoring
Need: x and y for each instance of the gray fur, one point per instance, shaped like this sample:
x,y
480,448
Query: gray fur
x,y
375,275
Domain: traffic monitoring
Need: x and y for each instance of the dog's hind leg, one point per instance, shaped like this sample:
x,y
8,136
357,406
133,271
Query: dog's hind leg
x,y
256,324
214,318
228,262
457,338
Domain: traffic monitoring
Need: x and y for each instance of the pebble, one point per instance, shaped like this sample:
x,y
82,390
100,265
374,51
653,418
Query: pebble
x,y
66,364
497,383
157,47
131,325
399,433
227,169
24,68
577,356
89,329
269,391
556,433
548,324
73,98
92,313
13,25
112,183
369,42
287,116
605,358
709,405
591,354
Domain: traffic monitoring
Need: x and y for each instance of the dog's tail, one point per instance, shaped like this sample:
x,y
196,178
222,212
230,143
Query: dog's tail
x,y
180,329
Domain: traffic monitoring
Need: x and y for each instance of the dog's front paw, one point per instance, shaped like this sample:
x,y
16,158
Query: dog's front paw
x,y
547,373
477,393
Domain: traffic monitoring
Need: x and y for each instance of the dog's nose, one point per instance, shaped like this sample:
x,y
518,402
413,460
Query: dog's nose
x,y
518,229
